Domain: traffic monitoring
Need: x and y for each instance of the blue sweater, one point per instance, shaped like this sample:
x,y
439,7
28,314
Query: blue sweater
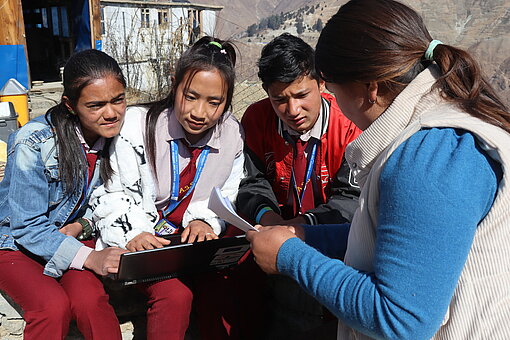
x,y
434,190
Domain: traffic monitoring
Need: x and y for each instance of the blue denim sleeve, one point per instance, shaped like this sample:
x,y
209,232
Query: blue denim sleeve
x,y
434,190
29,204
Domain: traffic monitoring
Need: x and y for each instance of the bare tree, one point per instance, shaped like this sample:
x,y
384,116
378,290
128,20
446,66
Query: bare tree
x,y
147,53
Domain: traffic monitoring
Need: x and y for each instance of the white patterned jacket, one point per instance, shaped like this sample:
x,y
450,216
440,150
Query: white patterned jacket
x,y
125,206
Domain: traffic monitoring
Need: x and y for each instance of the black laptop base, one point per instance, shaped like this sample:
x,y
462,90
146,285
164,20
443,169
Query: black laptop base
x,y
181,259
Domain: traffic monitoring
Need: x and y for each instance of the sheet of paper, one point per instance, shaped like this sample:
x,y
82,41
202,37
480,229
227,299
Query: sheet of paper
x,y
224,209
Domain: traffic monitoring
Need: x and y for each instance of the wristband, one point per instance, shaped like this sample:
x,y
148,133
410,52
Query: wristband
x,y
261,213
86,229
311,219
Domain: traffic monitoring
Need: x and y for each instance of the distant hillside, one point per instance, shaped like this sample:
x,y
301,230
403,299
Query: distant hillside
x,y
481,26
495,55
465,22
239,14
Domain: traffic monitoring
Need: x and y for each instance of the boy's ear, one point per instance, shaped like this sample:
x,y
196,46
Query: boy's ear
x,y
322,85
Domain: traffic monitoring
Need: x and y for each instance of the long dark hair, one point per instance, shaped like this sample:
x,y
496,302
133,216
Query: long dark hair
x,y
80,70
385,41
202,56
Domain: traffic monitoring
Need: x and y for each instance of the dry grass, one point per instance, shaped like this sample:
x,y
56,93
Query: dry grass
x,y
245,94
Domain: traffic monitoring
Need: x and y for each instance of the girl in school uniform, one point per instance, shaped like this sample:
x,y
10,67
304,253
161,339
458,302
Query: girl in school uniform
x,y
167,158
48,264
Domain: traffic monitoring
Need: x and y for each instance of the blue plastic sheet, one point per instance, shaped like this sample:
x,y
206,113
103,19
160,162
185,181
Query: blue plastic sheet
x,y
81,25
13,64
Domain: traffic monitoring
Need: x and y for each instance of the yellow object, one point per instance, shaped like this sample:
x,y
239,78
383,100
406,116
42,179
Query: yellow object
x,y
15,93
3,151
20,103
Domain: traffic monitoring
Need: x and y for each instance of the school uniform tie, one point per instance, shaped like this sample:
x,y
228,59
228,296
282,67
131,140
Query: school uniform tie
x,y
91,166
185,179
300,167
91,161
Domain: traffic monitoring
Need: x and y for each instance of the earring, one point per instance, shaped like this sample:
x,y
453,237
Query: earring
x,y
71,111
371,101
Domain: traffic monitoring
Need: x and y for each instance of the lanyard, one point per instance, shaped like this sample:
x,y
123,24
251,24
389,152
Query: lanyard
x,y
309,170
174,196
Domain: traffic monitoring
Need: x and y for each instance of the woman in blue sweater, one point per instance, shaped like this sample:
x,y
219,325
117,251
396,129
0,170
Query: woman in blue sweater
x,y
427,254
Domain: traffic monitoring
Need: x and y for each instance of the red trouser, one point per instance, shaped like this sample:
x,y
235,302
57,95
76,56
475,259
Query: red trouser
x,y
228,304
231,303
169,309
50,304
222,312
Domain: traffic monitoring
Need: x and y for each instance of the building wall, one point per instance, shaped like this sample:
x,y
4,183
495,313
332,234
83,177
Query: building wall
x,y
209,22
147,41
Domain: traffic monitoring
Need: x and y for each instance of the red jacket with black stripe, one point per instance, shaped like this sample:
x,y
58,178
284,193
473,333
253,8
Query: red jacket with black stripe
x,y
269,161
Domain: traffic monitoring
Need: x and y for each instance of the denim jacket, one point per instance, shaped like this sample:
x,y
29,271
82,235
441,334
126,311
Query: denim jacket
x,y
33,205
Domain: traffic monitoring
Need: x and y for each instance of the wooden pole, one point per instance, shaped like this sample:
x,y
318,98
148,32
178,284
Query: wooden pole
x,y
12,30
13,26
95,21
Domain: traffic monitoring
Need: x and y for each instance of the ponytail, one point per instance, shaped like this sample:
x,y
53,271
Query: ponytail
x,y
462,83
387,42
71,162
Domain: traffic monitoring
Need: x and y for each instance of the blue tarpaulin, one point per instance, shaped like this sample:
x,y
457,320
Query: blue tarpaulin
x,y
81,25
13,64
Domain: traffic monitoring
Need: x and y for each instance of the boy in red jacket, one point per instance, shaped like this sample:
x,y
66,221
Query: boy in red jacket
x,y
296,170
295,143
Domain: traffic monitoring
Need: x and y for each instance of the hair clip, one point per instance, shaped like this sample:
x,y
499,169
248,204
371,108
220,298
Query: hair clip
x,y
223,51
215,43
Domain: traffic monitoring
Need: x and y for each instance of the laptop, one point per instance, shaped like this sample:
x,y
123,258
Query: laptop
x,y
179,259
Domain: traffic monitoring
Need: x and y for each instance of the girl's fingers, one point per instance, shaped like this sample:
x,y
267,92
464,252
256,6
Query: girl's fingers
x,y
192,237
201,236
185,234
162,241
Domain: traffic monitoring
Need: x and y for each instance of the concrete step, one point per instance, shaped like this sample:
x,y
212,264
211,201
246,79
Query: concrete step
x,y
42,97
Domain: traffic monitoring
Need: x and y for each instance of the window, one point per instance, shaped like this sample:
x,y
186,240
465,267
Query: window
x,y
145,17
44,13
56,22
103,26
163,18
65,23
195,25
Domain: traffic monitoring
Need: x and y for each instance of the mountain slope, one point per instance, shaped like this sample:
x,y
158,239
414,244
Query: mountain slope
x,y
481,26
237,15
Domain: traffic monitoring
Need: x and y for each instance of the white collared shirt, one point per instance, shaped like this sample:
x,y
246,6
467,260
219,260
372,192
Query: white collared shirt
x,y
98,145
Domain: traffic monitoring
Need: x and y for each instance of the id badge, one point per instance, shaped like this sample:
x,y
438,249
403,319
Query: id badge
x,y
165,227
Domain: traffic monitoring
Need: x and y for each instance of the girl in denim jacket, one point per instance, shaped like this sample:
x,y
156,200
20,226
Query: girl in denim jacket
x,y
47,260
